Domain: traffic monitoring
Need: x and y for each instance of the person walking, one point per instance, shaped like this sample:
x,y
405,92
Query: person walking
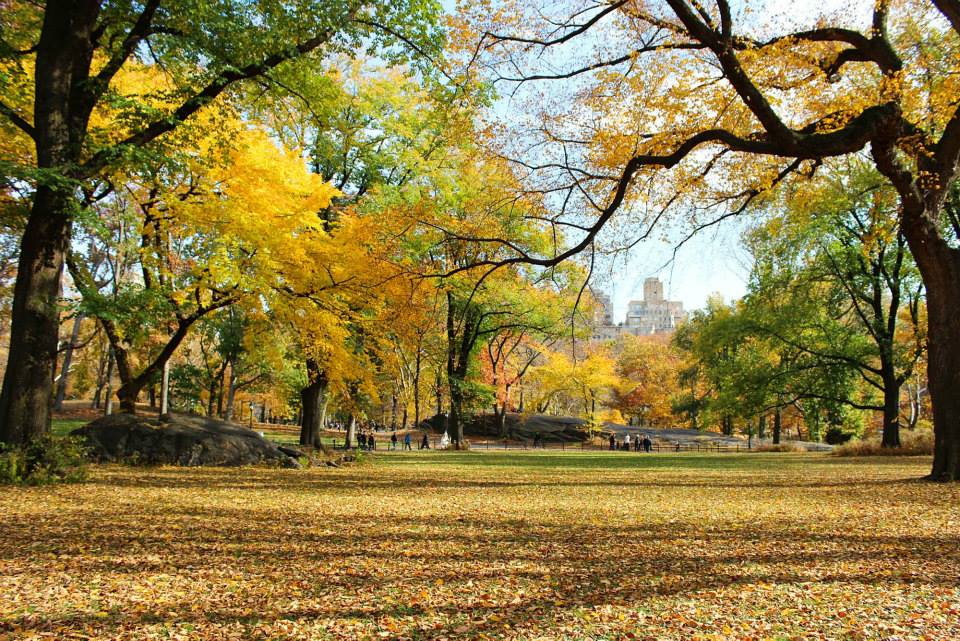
x,y
626,442
425,443
406,442
613,442
647,443
393,441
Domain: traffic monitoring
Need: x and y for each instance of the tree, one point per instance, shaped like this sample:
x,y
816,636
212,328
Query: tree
x,y
835,282
708,111
648,368
76,49
194,238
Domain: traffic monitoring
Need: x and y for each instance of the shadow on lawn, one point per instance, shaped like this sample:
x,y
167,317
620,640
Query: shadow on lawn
x,y
559,566
294,563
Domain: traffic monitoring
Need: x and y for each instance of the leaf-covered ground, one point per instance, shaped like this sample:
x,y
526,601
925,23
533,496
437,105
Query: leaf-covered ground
x,y
489,545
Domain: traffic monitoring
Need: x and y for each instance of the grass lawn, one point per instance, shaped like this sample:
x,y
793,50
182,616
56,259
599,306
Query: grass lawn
x,y
524,545
63,426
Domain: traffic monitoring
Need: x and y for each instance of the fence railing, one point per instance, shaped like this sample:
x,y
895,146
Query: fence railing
x,y
497,444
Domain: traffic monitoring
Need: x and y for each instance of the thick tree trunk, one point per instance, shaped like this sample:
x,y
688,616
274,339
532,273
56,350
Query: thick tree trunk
x,y
132,384
726,425
27,393
943,372
891,412
312,400
939,264
64,53
777,426
501,416
67,360
762,426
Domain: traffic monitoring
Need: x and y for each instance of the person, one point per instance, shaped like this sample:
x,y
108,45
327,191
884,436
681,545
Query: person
x,y
536,440
636,444
393,441
613,442
371,441
626,442
647,443
425,443
406,442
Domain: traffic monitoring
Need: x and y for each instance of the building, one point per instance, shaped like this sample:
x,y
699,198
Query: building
x,y
652,315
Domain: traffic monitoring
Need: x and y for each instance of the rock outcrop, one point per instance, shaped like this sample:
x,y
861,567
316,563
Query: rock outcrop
x,y
180,440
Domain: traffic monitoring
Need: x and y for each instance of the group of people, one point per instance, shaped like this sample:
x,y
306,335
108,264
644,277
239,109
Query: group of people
x,y
367,441
640,442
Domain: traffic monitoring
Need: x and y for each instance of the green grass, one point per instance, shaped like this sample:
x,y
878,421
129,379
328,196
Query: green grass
x,y
63,426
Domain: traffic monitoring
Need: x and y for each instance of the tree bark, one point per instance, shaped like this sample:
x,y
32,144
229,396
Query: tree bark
x,y
351,431
312,398
64,53
939,264
944,371
108,401
891,411
231,392
27,393
777,425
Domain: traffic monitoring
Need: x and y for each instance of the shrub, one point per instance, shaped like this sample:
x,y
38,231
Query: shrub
x,y
912,443
836,436
48,459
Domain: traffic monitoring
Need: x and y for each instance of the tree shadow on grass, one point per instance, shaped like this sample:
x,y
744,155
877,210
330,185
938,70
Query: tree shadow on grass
x,y
370,568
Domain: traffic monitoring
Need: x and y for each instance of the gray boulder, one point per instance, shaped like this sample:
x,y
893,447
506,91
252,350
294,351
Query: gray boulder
x,y
180,440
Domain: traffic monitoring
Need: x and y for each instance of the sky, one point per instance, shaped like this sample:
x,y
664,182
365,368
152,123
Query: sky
x,y
714,261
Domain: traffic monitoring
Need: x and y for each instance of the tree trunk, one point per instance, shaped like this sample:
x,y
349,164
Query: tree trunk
x,y
393,412
502,422
943,372
27,393
312,401
777,425
351,431
891,411
101,380
231,392
67,359
165,390
762,426
211,396
220,386
726,425
108,401
939,265
60,117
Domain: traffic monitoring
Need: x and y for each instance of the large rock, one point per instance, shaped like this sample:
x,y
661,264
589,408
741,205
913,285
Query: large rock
x,y
182,440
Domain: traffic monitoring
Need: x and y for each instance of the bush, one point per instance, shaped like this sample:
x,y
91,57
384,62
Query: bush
x,y
48,459
912,443
836,436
